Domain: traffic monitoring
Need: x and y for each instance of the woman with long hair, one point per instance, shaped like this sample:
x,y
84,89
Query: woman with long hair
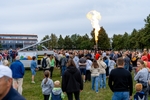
x,y
142,76
95,70
102,74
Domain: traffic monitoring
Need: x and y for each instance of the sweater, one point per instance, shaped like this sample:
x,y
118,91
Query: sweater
x,y
141,75
95,71
102,66
120,80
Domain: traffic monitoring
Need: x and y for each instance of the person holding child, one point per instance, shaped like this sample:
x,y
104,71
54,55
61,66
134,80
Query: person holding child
x,y
47,85
140,95
57,93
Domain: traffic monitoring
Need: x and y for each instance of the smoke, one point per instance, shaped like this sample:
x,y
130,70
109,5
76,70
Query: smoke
x,y
94,17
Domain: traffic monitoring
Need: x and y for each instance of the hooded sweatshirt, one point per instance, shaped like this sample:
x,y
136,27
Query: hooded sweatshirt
x,y
139,96
56,94
72,80
47,88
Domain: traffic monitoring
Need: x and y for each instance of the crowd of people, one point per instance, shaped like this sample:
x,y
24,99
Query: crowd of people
x,y
80,66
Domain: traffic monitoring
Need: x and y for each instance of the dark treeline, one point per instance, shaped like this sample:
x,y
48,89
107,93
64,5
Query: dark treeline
x,y
137,39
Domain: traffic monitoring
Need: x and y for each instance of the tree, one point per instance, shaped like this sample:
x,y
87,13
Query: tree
x,y
147,31
53,41
86,42
60,42
93,36
133,39
74,38
67,42
117,42
141,38
78,42
125,41
103,40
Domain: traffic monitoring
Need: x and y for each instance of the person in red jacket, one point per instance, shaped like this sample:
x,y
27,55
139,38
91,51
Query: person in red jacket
x,y
97,55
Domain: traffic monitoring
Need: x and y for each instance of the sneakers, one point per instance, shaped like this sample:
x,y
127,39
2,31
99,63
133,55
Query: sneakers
x,y
32,82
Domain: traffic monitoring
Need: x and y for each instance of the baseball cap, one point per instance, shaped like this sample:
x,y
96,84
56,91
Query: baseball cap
x,y
5,71
144,58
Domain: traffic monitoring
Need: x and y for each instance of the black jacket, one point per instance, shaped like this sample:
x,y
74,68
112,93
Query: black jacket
x,y
72,80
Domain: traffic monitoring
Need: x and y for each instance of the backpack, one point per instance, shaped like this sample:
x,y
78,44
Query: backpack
x,y
44,64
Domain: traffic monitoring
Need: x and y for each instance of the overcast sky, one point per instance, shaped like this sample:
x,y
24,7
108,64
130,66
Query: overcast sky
x,y
67,17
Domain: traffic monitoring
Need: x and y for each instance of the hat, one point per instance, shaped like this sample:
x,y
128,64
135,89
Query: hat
x,y
5,71
144,58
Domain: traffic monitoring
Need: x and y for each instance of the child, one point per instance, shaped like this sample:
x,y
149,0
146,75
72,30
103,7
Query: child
x,y
47,85
139,94
95,75
57,93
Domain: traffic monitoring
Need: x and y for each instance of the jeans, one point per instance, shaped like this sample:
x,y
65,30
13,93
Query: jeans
x,y
63,68
120,96
126,67
95,80
102,78
10,59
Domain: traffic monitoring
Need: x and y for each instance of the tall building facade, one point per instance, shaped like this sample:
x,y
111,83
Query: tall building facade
x,y
15,41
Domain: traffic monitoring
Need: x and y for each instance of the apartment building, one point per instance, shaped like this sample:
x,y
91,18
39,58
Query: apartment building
x,y
15,41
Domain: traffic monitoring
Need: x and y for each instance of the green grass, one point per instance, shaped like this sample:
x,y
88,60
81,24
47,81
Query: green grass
x,y
34,92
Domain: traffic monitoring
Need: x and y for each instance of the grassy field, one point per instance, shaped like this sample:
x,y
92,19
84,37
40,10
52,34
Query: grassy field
x,y
33,91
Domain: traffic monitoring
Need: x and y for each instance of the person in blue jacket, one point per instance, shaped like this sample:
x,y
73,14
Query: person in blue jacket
x,y
18,72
